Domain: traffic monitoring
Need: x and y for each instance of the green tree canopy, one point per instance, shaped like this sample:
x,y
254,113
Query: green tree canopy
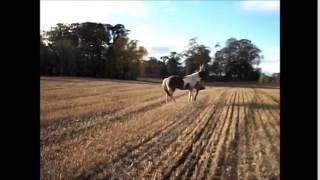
x,y
196,55
236,60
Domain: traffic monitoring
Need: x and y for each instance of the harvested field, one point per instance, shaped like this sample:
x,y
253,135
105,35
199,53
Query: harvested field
x,y
103,129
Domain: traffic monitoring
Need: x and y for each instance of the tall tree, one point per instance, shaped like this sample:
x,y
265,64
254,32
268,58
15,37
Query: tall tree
x,y
61,40
236,60
195,55
152,68
163,68
173,63
123,60
44,58
93,38
119,30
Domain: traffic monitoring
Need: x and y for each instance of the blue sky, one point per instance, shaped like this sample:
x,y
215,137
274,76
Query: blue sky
x,y
165,26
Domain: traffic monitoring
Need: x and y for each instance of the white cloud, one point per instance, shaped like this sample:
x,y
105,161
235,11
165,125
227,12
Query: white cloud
x,y
157,44
271,61
52,12
271,54
273,67
170,9
261,6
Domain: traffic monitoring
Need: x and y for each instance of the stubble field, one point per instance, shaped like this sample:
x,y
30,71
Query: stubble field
x,y
104,129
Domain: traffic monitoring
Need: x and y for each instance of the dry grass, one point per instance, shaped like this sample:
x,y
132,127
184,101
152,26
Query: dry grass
x,y
105,129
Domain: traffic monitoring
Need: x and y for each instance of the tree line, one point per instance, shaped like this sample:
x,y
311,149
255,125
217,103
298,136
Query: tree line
x,y
105,51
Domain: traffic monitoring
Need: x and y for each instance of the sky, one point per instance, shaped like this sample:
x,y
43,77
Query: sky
x,y
165,26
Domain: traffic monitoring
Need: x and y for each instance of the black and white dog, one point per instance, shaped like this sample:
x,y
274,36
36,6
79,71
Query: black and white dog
x,y
190,82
